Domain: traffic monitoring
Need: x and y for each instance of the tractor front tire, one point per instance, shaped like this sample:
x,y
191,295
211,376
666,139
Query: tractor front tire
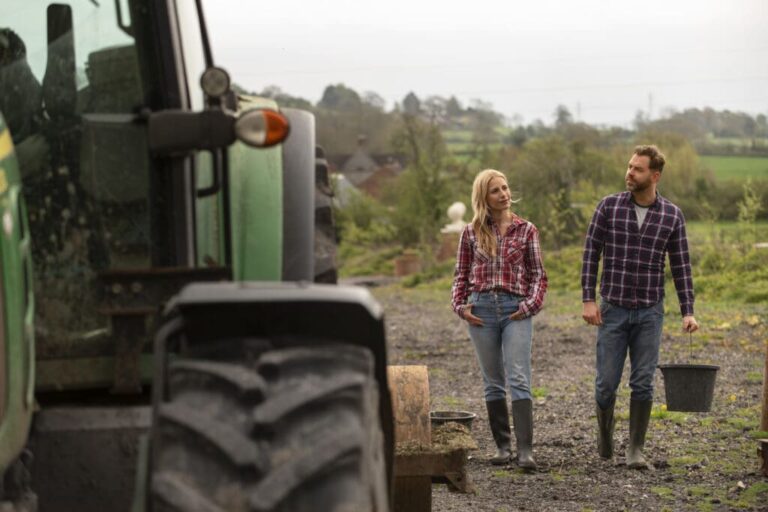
x,y
295,430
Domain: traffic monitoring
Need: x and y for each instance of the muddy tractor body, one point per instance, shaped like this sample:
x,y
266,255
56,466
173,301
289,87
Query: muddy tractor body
x,y
162,343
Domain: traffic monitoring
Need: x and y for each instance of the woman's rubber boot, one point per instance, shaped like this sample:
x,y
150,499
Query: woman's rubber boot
x,y
639,415
522,418
498,417
605,424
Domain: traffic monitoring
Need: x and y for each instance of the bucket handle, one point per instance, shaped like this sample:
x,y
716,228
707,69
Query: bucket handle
x,y
690,346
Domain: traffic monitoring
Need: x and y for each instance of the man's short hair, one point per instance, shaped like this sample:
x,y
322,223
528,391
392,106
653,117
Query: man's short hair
x,y
655,156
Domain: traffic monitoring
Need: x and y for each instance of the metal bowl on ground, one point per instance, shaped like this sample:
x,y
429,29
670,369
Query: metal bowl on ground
x,y
461,417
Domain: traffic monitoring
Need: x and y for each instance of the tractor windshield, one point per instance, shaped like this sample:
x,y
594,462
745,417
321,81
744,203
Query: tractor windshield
x,y
72,79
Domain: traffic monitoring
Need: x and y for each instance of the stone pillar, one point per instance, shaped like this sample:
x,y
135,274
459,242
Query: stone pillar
x,y
449,235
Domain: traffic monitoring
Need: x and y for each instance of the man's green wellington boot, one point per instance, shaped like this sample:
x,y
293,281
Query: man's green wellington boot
x,y
639,415
605,424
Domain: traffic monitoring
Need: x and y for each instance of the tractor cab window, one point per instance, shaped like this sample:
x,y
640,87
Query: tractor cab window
x,y
71,80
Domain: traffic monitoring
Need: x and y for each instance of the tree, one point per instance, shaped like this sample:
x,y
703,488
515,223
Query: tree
x,y
435,108
284,99
563,116
374,100
555,177
421,192
453,107
340,97
411,104
749,208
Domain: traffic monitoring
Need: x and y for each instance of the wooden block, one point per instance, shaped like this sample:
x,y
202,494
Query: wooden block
x,y
409,387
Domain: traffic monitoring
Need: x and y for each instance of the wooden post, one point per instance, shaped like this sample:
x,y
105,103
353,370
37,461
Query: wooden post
x,y
764,421
409,387
763,449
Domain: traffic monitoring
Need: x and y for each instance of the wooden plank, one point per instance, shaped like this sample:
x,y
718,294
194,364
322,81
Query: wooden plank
x,y
429,464
445,467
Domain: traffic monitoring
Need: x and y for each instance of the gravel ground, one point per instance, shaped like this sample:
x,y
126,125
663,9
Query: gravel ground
x,y
701,461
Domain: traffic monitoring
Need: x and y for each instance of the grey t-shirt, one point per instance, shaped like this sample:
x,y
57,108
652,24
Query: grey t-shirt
x,y
641,211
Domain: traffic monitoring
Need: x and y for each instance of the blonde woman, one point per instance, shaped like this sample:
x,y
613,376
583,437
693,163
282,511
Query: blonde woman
x,y
499,285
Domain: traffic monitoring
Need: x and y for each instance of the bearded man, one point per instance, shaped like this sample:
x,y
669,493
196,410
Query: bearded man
x,y
633,231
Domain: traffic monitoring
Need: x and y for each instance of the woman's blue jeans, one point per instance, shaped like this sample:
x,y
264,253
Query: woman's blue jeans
x,y
503,346
637,331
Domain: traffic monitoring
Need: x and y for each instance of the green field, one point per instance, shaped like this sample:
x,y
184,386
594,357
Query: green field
x,y
728,230
737,167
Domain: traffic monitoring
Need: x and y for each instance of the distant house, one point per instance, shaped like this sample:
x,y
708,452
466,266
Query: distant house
x,y
360,165
368,173
376,183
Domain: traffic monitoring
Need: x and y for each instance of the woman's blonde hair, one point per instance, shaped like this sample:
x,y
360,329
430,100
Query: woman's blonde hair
x,y
486,240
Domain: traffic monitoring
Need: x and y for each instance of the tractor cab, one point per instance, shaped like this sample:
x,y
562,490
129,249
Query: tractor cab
x,y
103,101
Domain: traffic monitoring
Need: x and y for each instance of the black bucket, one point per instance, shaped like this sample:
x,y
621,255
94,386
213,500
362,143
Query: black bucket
x,y
689,387
462,417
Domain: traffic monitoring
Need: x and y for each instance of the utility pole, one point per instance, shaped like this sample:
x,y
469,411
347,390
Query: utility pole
x,y
650,106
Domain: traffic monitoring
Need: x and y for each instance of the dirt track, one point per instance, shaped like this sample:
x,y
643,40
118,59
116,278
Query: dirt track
x,y
702,461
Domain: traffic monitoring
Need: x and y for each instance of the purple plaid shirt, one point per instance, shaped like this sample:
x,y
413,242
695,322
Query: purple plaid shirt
x,y
633,259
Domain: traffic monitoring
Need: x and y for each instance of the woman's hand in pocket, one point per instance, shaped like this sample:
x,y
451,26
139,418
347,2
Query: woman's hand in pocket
x,y
517,315
470,318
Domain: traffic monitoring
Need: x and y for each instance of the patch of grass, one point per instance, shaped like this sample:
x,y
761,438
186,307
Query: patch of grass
x,y
503,473
449,402
660,412
685,460
663,492
754,495
437,372
752,412
754,377
539,392
437,276
758,434
743,424
413,355
698,490
356,260
755,491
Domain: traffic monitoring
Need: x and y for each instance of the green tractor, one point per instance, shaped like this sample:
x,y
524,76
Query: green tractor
x,y
164,344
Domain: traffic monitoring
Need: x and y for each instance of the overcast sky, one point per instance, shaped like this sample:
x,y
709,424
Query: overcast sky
x,y
604,60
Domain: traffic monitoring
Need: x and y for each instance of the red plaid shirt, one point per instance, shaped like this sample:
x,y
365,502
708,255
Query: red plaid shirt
x,y
517,267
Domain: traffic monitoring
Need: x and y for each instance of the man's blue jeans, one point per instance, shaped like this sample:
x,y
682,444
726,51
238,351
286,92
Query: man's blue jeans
x,y
503,346
637,331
